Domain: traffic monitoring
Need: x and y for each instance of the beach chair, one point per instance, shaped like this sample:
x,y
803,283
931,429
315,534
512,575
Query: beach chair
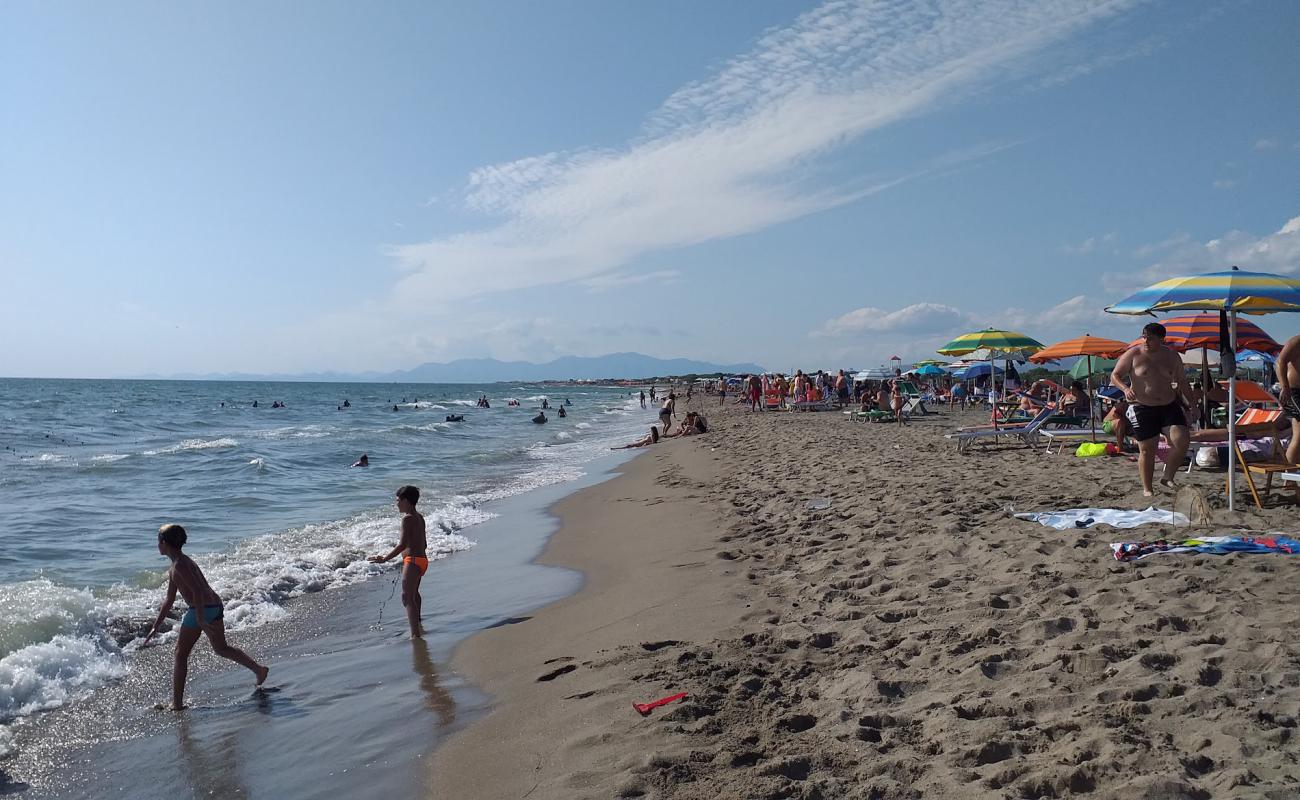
x,y
1027,433
1268,469
913,400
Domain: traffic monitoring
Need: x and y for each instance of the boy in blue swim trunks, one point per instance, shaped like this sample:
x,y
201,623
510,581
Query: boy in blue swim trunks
x,y
204,614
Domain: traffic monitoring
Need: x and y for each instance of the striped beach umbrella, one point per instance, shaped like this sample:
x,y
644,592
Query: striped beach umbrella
x,y
990,339
1202,332
996,342
1087,346
1233,292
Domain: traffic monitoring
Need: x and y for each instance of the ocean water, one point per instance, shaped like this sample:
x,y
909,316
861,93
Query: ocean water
x,y
90,469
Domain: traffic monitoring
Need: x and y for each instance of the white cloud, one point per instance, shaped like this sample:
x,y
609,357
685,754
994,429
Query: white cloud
x,y
1266,144
614,280
1089,245
1277,252
1225,183
918,318
728,155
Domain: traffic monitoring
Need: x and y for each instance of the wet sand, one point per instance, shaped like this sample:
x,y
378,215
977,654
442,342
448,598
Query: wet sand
x,y
910,640
352,707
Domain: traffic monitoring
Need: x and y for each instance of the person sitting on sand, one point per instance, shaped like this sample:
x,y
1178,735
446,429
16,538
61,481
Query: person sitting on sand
x,y
692,425
415,560
650,438
204,614
364,461
883,400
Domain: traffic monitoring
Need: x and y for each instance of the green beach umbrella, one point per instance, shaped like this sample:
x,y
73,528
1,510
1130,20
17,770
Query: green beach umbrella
x,y
1100,366
996,342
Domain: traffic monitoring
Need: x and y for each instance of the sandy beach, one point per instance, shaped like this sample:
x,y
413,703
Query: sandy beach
x,y
912,639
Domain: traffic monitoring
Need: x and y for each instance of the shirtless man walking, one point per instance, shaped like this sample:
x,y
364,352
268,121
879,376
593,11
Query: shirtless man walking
x,y
1288,375
1158,394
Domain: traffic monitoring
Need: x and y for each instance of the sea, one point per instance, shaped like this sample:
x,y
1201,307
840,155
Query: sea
x,y
274,509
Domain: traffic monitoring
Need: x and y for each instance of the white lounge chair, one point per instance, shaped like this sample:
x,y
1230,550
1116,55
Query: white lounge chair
x,y
1027,433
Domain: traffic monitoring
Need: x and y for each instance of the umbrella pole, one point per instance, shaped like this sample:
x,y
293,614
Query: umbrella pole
x,y
1232,412
993,390
1092,419
1205,382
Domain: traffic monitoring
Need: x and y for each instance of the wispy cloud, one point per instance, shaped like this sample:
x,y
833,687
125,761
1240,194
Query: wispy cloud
x,y
615,280
731,154
918,318
1266,144
1225,183
1181,255
1089,245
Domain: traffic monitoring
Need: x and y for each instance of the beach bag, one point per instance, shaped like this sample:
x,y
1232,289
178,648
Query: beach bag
x,y
1090,449
1207,457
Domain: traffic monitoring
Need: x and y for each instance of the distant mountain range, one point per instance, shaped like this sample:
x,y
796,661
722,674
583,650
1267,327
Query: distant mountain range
x,y
490,370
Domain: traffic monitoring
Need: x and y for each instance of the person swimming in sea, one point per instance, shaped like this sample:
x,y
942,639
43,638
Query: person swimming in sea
x,y
455,417
364,461
545,404
563,413
415,561
540,418
395,408
204,615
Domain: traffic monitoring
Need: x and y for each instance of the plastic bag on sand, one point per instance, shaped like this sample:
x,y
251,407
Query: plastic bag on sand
x,y
1090,449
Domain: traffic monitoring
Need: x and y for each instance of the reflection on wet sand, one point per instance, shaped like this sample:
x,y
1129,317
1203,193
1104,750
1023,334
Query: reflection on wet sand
x,y
439,700
210,764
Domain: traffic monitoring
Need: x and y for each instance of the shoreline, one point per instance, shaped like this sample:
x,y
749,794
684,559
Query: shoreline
x,y
905,638
562,683
333,669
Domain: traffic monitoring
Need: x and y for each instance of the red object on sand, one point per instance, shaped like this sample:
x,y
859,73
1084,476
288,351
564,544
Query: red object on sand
x,y
645,708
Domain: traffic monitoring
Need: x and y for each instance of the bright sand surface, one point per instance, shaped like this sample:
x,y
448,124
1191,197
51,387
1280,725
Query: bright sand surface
x,y
911,640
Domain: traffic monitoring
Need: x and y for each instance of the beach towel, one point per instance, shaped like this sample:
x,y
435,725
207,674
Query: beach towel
x,y
1207,545
1115,517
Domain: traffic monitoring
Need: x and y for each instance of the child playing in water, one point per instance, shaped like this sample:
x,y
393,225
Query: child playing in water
x,y
415,562
204,614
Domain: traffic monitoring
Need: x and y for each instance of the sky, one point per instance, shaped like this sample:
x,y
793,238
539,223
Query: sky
x,y
293,187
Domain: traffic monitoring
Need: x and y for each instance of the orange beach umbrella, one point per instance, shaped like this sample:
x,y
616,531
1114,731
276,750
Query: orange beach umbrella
x,y
1088,346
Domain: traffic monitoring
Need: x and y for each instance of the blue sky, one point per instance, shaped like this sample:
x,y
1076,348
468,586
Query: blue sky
x,y
289,187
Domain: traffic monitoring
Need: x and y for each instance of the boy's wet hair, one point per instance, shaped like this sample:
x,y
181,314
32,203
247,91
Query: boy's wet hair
x,y
1154,329
409,493
173,535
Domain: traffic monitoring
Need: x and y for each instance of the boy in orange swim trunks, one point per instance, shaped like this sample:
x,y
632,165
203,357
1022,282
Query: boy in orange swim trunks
x,y
414,560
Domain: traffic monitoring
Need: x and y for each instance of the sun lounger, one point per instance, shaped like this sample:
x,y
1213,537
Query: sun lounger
x,y
1027,433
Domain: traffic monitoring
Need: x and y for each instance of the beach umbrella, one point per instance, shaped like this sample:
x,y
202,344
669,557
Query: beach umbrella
x,y
1086,346
931,362
997,342
930,369
1231,292
1203,332
1085,367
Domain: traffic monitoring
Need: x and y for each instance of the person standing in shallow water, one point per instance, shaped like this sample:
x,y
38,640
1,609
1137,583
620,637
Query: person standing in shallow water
x,y
204,615
415,561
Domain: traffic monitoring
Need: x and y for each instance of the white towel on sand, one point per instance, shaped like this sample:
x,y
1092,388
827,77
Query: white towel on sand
x,y
1115,517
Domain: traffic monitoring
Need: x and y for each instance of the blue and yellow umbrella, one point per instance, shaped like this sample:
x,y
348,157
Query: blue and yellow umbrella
x,y
1231,290
1234,292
